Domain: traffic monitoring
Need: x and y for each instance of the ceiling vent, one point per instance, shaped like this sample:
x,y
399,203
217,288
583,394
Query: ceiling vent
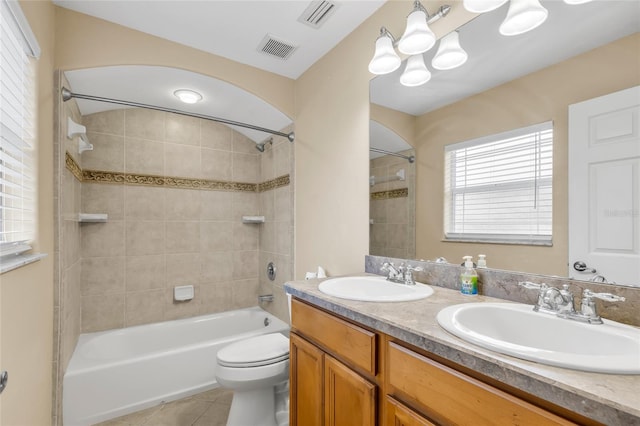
x,y
317,13
276,47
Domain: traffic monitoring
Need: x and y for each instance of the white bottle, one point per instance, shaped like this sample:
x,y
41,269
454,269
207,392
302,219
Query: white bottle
x,y
482,261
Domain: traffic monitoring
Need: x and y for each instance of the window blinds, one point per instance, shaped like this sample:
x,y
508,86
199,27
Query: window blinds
x,y
499,188
17,121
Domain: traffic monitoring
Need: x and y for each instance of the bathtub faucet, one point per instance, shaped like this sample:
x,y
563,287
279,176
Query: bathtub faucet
x,y
265,298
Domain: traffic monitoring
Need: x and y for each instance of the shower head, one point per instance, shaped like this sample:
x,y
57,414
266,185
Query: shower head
x,y
260,145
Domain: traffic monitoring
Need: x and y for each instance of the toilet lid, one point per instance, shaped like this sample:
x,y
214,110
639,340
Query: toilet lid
x,y
256,351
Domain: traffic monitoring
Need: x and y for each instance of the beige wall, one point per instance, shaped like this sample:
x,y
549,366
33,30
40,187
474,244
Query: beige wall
x,y
332,145
122,46
26,294
538,97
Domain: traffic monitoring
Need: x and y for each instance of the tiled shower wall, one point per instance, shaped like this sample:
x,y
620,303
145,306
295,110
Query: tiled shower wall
x,y
157,236
392,208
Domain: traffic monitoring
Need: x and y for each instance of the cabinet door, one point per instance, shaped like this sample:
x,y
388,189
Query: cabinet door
x,y
305,383
349,398
400,415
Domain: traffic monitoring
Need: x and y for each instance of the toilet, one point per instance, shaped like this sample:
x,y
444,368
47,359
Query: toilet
x,y
257,370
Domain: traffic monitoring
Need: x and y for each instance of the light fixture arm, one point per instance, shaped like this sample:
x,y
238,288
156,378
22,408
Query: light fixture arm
x,y
384,32
441,13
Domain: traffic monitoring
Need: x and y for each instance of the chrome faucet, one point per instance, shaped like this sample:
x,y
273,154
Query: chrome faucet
x,y
560,302
402,274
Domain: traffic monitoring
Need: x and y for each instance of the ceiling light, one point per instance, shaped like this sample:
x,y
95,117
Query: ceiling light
x,y
523,16
188,96
417,37
416,72
385,59
450,55
482,6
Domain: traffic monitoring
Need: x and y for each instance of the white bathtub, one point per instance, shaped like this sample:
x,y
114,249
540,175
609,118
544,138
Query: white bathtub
x,y
117,372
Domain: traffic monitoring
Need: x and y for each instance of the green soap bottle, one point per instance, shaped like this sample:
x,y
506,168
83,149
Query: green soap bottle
x,y
468,278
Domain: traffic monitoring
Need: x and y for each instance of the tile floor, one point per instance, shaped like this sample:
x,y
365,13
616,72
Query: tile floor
x,y
209,408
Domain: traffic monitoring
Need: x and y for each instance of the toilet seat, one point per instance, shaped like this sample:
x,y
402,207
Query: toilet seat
x,y
256,351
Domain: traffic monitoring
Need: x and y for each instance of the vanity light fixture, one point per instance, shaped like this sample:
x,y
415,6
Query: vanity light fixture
x,y
385,59
188,96
417,38
416,72
523,16
576,1
450,54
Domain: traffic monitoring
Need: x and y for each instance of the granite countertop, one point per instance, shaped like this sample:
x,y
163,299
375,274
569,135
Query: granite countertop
x,y
608,398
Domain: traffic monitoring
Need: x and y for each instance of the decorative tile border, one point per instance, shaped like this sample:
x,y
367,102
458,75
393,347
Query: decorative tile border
x,y
72,166
99,176
395,193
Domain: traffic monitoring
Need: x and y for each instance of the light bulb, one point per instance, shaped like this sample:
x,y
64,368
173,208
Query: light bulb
x,y
417,37
385,59
188,96
523,16
482,6
450,55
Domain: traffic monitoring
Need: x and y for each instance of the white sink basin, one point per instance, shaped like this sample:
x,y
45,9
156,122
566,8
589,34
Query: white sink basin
x,y
515,329
373,289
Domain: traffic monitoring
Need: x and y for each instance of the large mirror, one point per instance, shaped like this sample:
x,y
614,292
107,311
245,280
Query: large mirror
x,y
581,52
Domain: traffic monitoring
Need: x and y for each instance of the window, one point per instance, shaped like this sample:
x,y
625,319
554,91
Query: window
x,y
499,188
18,47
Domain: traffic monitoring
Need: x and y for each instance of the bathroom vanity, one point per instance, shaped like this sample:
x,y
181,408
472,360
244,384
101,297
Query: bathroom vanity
x,y
362,363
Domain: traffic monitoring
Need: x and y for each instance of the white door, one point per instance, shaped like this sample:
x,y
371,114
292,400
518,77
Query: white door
x,y
604,187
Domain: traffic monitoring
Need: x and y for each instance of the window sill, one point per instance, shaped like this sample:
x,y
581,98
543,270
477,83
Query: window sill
x,y
497,241
9,263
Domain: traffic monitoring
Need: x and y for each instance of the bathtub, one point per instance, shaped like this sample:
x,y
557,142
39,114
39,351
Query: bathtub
x,y
117,372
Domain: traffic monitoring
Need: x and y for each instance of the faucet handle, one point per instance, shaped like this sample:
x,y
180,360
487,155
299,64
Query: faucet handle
x,y
609,297
415,269
386,266
532,286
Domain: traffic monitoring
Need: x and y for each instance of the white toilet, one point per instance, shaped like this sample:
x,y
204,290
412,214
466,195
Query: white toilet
x,y
257,370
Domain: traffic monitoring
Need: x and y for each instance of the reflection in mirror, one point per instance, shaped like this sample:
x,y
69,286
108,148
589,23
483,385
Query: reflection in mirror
x,y
392,199
581,52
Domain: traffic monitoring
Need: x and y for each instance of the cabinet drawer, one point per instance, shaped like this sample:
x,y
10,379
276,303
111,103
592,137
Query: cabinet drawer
x,y
399,415
345,340
449,396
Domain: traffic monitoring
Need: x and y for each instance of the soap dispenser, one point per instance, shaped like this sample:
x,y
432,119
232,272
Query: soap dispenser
x,y
468,278
482,261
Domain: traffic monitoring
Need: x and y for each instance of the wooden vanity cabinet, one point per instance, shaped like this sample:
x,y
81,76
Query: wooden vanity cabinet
x,y
332,370
344,374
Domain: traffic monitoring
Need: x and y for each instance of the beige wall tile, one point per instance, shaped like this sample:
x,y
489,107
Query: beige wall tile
x,y
73,243
144,124
246,168
103,239
144,307
107,154
183,204
267,237
182,129
182,237
182,269
185,309
144,272
245,204
243,144
111,122
102,312
245,264
144,237
245,236
267,164
216,236
182,161
217,165
144,203
283,235
216,297
283,204
101,198
216,267
143,156
216,135
267,205
102,275
245,293
282,159
218,205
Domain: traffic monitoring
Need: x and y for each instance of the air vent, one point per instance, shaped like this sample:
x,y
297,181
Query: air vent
x,y
317,13
276,47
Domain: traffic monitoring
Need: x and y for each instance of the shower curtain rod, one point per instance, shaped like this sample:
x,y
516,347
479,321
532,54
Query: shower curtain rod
x,y
410,159
68,94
